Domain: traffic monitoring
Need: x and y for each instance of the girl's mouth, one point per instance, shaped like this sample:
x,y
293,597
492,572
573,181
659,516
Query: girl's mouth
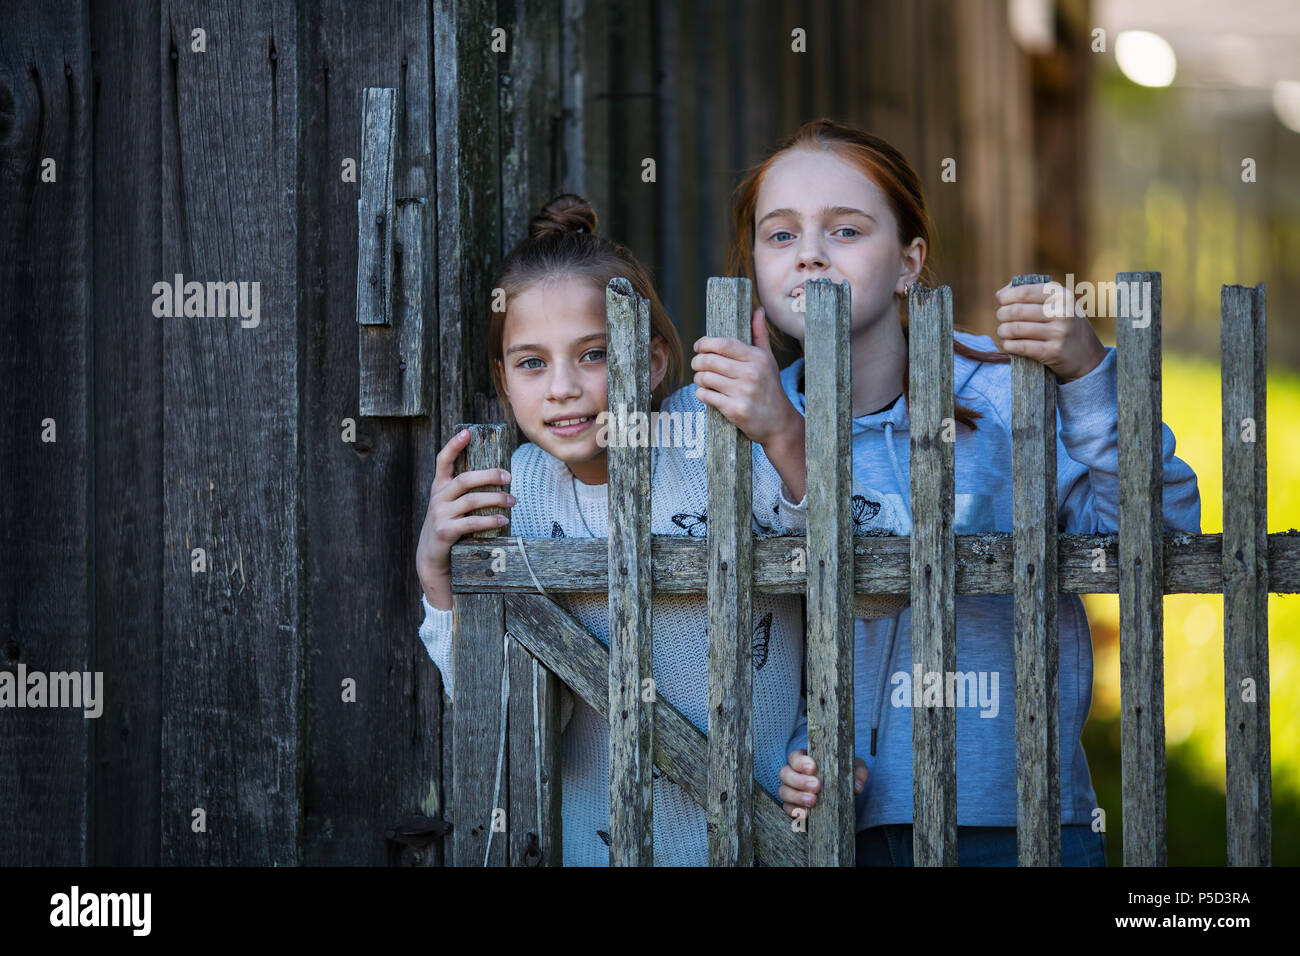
x,y
570,426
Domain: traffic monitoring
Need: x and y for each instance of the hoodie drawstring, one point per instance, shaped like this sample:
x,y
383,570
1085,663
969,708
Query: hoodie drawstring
x,y
893,632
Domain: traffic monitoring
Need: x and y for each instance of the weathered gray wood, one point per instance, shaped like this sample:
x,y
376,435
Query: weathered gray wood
x,y
881,565
128,491
375,208
934,627
631,677
47,595
233,635
534,762
466,108
585,56
1141,612
393,356
676,152
632,106
582,662
731,621
829,640
467,143
1037,654
478,660
1246,577
529,90
355,796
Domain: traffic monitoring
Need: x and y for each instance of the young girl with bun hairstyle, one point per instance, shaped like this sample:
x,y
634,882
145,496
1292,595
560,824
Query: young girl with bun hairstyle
x,y
547,354
836,202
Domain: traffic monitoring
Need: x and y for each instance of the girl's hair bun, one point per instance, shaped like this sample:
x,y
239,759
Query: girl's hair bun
x,y
563,214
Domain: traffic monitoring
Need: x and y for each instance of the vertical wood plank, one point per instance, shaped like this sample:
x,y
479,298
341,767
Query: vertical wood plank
x,y
469,209
674,148
631,714
730,599
830,572
934,627
128,537
819,58
232,646
528,84
46,362
478,659
533,762
1037,654
375,207
633,203
713,107
793,71
1243,335
585,54
1141,559
354,796
414,769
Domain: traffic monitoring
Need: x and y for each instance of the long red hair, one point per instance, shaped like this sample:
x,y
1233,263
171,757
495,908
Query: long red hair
x,y
889,170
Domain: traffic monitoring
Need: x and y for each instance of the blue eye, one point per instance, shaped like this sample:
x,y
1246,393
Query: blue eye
x,y
531,368
781,232
599,353
848,229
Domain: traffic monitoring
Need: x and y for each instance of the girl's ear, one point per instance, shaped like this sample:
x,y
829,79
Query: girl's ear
x,y
909,270
658,361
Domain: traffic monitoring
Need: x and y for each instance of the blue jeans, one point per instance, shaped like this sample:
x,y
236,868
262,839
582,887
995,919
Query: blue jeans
x,y
891,845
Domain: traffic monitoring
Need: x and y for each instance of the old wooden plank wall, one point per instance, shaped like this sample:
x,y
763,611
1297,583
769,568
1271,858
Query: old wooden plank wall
x,y
46,602
224,687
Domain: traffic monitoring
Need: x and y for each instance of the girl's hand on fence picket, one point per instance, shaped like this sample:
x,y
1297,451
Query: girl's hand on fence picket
x,y
448,517
799,788
743,382
1043,322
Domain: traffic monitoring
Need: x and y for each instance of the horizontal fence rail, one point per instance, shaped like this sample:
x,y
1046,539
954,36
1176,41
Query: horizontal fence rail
x,y
1087,564
505,612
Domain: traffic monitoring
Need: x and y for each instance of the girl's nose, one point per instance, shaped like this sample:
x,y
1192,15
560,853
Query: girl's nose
x,y
564,383
811,254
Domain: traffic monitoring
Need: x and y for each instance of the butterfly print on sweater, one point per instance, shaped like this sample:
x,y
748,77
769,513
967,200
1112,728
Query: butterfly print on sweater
x,y
557,531
695,526
864,510
762,638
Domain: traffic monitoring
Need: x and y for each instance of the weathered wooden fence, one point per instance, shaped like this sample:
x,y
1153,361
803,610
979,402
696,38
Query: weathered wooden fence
x,y
512,643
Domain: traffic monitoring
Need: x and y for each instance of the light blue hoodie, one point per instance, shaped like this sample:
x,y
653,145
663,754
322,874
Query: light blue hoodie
x,y
1088,502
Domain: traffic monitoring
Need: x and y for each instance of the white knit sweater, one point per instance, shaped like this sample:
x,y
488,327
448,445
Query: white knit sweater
x,y
552,505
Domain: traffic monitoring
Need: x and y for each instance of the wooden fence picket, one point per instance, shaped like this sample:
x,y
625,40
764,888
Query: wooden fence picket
x,y
1141,560
1245,578
631,680
731,576
829,634
1037,654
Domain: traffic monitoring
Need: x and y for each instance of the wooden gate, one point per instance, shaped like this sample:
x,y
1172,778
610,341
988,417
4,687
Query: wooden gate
x,y
507,628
